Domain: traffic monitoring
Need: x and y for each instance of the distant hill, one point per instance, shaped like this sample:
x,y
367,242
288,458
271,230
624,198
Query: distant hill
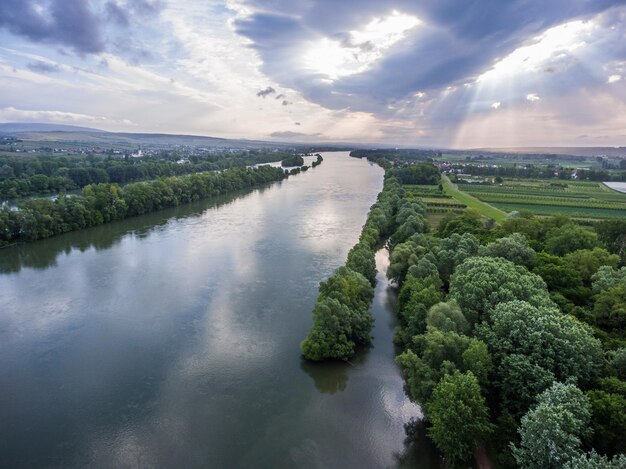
x,y
576,151
17,127
70,134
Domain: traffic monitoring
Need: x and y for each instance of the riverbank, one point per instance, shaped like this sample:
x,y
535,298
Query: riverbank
x,y
102,203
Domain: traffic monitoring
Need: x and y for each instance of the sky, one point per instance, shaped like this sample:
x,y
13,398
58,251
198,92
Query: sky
x,y
428,73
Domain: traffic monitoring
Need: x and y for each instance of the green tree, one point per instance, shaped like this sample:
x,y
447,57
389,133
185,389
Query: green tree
x,y
587,261
608,421
481,283
606,277
467,222
447,317
477,359
610,308
453,251
330,335
556,342
612,233
569,238
594,460
459,416
551,432
361,259
515,248
420,379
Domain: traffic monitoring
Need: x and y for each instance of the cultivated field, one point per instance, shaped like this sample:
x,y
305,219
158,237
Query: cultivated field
x,y
578,199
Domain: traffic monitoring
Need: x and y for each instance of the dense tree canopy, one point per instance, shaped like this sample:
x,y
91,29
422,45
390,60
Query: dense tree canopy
x,y
459,416
551,432
481,283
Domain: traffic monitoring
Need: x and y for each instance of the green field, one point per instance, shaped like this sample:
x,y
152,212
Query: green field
x,y
578,199
470,201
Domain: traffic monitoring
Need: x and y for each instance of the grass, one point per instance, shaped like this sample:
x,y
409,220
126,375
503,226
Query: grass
x,y
470,201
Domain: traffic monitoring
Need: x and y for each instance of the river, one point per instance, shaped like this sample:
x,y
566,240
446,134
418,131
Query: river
x,y
171,339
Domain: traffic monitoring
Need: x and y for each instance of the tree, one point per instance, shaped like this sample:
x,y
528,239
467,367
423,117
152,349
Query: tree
x,y
423,269
570,238
587,261
361,259
594,460
606,278
349,287
467,222
402,257
556,342
437,346
559,276
330,335
618,362
477,359
520,381
454,250
459,416
420,379
447,317
608,421
551,432
610,308
612,233
515,248
481,283
414,224
416,297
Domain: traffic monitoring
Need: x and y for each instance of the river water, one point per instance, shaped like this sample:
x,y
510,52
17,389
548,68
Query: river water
x,y
171,339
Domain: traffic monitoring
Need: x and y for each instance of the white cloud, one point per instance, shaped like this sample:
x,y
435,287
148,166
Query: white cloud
x,y
496,105
614,78
532,97
550,45
359,49
11,114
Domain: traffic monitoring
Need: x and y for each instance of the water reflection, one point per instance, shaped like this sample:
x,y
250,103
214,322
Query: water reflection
x,y
172,340
43,254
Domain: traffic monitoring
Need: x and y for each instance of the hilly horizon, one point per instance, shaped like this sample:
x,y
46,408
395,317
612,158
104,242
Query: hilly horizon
x,y
44,131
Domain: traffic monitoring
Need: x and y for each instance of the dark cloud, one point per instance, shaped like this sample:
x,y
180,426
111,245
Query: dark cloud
x,y
280,96
266,92
76,24
67,22
43,67
455,43
297,123
144,7
286,103
116,14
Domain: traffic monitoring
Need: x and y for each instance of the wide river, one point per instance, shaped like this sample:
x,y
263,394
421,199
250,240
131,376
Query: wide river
x,y
171,339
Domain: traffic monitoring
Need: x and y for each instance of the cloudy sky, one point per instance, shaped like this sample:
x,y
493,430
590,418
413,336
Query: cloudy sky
x,y
451,73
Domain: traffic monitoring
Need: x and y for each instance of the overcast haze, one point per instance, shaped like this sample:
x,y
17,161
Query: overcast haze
x,y
428,73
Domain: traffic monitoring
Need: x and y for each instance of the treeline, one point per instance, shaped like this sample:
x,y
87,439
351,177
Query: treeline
x,y
531,171
292,160
396,155
423,173
102,203
341,316
514,337
318,161
29,175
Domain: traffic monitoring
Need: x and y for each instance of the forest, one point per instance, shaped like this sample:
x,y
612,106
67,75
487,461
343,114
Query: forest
x,y
24,175
106,202
512,335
